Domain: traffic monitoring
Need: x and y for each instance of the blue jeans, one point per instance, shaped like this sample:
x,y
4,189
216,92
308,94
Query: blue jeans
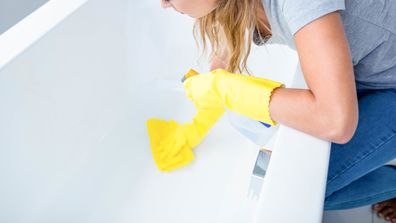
x,y
357,174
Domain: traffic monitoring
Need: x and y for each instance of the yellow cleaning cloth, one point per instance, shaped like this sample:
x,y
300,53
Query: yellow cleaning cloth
x,y
172,143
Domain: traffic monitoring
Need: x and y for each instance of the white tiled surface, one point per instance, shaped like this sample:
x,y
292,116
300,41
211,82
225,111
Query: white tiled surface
x,y
355,215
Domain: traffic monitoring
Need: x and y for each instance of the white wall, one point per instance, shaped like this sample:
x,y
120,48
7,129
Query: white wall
x,y
12,11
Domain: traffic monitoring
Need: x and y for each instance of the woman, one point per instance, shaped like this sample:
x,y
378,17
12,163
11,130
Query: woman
x,y
347,52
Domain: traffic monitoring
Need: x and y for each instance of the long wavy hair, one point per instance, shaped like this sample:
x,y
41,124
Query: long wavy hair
x,y
229,29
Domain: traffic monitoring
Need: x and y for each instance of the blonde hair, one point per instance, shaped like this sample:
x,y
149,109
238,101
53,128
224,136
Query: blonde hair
x,y
230,28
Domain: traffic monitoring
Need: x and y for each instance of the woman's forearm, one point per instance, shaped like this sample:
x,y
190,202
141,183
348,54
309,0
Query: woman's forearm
x,y
298,109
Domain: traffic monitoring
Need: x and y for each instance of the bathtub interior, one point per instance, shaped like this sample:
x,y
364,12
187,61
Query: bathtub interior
x,y
11,11
73,135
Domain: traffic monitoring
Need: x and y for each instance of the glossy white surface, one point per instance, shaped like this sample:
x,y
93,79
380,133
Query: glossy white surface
x,y
74,145
296,177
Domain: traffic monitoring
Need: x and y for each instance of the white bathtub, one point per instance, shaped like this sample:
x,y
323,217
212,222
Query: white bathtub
x,y
78,80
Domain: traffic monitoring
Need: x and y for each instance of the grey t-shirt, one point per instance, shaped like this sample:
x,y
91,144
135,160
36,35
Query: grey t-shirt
x,y
370,26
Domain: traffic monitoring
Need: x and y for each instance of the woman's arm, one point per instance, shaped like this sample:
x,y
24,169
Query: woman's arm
x,y
328,109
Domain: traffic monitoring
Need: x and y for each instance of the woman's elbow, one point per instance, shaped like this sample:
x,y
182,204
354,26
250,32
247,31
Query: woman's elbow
x,y
344,131
343,136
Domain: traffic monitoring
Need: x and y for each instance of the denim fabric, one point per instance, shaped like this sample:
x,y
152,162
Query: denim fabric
x,y
357,174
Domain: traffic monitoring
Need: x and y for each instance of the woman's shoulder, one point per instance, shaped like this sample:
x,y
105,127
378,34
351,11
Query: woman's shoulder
x,y
297,13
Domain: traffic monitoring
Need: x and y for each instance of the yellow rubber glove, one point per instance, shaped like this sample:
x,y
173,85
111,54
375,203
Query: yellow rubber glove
x,y
243,94
172,143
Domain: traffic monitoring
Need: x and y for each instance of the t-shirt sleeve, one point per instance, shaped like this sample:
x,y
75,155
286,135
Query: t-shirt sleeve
x,y
299,13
